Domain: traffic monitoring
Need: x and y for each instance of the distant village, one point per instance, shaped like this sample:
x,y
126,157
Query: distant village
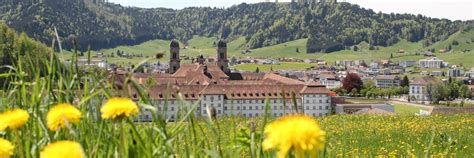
x,y
320,86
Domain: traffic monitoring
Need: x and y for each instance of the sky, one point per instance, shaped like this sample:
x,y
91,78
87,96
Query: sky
x,y
449,9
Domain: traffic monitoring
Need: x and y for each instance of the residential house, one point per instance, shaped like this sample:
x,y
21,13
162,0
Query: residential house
x,y
407,63
329,80
418,88
455,72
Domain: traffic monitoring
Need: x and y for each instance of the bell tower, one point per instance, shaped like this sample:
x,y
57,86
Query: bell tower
x,y
222,60
174,57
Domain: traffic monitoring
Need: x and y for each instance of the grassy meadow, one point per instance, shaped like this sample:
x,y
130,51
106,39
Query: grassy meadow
x,y
36,90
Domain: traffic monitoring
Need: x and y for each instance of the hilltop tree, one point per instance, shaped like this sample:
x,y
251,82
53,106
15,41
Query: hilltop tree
x,y
257,70
352,81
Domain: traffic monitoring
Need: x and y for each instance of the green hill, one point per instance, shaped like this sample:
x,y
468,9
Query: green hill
x,y
204,45
327,27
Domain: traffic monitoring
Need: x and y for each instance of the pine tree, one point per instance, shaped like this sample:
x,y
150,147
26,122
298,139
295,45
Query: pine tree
x,y
405,82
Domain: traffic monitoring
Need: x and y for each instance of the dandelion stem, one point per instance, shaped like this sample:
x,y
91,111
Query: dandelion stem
x,y
123,151
20,144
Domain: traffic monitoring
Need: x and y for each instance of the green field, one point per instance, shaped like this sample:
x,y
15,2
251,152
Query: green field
x,y
267,67
204,45
407,109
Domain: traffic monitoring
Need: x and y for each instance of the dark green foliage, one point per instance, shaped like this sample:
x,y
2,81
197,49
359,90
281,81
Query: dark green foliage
x,y
355,48
405,82
346,24
455,42
329,27
16,47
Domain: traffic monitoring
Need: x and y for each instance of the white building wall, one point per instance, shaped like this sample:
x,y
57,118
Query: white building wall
x,y
312,104
316,104
419,92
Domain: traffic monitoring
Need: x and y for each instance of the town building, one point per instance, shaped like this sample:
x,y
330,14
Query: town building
x,y
407,63
470,73
432,63
418,88
387,81
345,63
329,80
437,73
211,89
455,72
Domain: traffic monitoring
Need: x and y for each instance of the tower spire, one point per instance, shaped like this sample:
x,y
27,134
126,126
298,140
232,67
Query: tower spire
x,y
174,57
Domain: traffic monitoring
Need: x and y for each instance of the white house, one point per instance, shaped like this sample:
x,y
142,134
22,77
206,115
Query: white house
x,y
418,88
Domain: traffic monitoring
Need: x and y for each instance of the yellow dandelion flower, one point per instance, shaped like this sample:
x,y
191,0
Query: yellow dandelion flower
x,y
118,107
62,114
63,149
13,119
6,148
298,132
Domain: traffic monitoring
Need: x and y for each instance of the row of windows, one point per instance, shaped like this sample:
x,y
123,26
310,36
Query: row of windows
x,y
212,97
314,101
316,95
254,101
239,101
171,108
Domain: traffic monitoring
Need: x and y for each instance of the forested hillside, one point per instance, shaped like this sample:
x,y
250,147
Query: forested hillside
x,y
15,47
328,26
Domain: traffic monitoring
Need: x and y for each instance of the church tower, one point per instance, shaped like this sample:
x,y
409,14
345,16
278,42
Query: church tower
x,y
174,57
222,60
